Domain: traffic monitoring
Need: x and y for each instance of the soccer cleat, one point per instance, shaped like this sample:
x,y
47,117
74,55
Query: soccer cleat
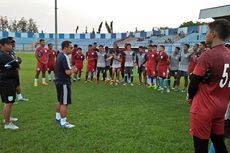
x,y
74,79
45,83
183,90
11,126
111,82
168,90
116,83
104,82
67,126
35,84
155,87
78,79
22,99
12,119
149,87
132,84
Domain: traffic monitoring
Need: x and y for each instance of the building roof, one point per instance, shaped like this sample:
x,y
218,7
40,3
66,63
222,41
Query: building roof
x,y
216,12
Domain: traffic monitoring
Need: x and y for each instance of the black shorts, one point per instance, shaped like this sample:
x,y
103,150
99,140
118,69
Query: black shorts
x,y
141,69
64,93
129,70
17,82
100,69
227,128
8,93
183,73
173,73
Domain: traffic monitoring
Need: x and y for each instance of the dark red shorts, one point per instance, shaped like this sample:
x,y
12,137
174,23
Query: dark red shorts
x,y
162,72
90,68
79,67
50,66
151,71
202,126
41,67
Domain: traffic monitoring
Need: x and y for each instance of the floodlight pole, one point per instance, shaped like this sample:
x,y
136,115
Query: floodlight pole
x,y
56,27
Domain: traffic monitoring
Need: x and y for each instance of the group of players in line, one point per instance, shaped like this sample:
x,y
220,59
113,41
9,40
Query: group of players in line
x,y
154,67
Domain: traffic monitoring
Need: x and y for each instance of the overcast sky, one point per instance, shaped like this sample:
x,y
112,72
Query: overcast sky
x,y
126,14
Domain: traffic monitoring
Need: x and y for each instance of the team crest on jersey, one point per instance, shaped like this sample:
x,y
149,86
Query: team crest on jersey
x,y
39,53
10,98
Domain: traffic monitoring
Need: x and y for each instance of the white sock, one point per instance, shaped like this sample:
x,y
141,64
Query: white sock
x,y
154,81
58,116
19,96
43,80
35,80
149,81
49,76
63,121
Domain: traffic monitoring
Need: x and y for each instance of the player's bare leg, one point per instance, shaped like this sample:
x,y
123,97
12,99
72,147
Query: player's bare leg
x,y
185,83
7,118
44,78
36,78
58,115
19,95
118,77
178,83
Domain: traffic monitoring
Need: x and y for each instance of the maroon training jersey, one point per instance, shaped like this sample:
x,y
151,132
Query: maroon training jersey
x,y
212,98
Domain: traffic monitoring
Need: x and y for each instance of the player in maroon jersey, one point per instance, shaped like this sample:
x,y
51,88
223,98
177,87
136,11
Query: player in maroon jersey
x,y
42,59
51,61
77,60
163,62
209,90
91,57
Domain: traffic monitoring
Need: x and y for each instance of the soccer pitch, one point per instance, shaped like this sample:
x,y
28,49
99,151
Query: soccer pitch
x,y
108,119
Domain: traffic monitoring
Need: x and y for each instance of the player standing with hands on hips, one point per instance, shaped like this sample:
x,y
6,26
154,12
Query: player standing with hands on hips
x,y
209,90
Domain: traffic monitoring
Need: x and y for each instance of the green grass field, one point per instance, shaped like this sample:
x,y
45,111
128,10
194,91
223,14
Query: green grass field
x,y
108,119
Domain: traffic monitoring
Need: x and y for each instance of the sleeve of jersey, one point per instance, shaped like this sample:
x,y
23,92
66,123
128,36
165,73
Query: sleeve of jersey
x,y
201,66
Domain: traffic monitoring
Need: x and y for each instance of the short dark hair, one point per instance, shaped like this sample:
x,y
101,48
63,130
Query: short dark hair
x,y
41,40
101,46
65,44
95,43
89,45
196,45
4,41
178,48
11,39
128,44
187,45
79,48
222,27
150,45
50,44
155,46
203,43
75,45
162,46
